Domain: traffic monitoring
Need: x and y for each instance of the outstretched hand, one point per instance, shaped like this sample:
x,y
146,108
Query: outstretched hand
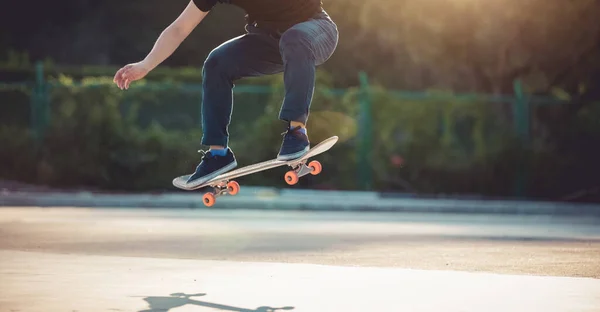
x,y
129,73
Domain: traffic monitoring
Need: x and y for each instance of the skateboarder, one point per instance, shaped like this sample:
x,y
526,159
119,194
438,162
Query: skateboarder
x,y
289,36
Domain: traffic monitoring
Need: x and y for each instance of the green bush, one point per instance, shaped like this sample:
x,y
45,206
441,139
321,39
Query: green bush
x,y
139,139
160,74
93,142
14,106
17,154
569,165
438,144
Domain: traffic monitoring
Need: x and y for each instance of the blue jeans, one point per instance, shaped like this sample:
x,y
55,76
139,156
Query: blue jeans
x,y
295,52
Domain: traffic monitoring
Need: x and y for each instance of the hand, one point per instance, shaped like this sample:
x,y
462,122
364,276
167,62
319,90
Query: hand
x,y
130,73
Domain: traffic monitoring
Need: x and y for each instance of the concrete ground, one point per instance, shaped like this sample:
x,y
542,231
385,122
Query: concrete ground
x,y
82,259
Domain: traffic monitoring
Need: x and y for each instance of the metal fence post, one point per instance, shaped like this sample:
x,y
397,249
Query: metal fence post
x,y
365,136
521,113
36,98
45,99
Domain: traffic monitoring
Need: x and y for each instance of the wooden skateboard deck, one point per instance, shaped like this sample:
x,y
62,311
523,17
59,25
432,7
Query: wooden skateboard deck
x,y
223,184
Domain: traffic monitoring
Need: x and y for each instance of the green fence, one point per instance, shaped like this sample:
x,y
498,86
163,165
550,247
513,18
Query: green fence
x,y
188,97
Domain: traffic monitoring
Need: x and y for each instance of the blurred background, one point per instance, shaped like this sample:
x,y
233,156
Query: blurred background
x,y
432,100
489,98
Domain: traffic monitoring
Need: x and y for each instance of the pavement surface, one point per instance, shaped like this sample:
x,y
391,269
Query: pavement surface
x,y
114,259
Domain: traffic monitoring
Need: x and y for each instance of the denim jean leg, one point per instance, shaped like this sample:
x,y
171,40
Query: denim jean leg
x,y
303,47
249,55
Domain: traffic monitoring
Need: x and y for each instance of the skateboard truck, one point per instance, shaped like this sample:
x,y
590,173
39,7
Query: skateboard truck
x,y
219,189
299,169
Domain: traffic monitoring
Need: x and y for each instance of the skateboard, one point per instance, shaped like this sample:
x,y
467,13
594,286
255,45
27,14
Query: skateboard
x,y
224,184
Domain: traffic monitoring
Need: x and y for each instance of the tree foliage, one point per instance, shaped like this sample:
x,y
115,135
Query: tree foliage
x,y
462,45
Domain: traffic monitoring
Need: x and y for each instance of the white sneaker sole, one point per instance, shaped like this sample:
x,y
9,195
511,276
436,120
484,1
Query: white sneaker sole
x,y
295,155
212,175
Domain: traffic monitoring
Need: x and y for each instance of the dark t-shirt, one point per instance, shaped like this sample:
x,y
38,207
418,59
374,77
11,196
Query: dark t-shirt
x,y
277,15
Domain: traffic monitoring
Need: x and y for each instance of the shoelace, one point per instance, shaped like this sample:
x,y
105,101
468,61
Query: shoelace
x,y
204,153
290,131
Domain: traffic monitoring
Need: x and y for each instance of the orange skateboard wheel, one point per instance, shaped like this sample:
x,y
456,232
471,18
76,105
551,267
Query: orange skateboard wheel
x,y
316,167
233,188
209,199
291,177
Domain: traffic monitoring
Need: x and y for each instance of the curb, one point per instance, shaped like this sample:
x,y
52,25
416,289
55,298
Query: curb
x,y
287,199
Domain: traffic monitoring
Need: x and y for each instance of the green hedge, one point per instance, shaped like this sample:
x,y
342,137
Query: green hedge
x,y
102,137
26,72
138,139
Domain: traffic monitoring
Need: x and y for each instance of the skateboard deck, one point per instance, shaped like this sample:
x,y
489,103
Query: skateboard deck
x,y
224,184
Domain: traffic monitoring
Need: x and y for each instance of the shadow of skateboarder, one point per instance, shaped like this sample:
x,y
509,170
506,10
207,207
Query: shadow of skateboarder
x,y
164,304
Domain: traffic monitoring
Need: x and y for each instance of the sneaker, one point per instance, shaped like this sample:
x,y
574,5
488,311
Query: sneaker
x,y
295,144
212,166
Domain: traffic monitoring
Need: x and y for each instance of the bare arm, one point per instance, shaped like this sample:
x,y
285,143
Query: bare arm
x,y
170,39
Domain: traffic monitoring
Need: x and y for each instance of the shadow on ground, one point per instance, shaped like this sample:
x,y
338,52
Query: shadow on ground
x,y
175,300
